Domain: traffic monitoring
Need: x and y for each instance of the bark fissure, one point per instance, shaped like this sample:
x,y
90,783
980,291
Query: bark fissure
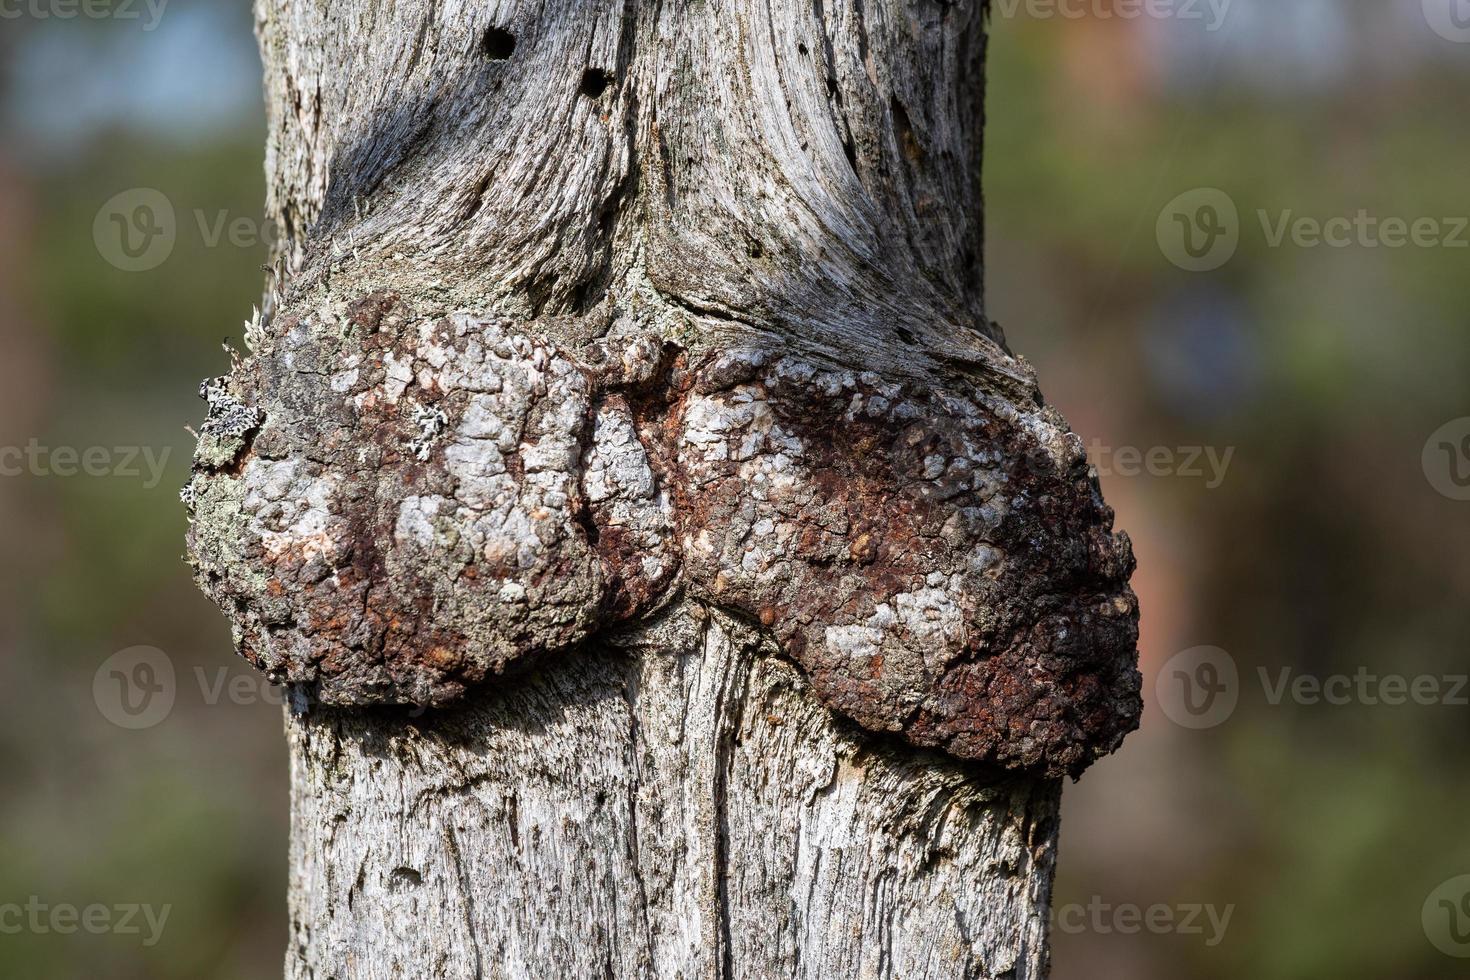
x,y
732,702
635,748
467,897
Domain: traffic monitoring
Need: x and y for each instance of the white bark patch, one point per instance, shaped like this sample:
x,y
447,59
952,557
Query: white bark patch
x,y
621,488
291,510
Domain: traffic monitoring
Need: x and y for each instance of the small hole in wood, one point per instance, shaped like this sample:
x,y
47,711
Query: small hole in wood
x,y
903,130
498,43
401,877
594,82
904,335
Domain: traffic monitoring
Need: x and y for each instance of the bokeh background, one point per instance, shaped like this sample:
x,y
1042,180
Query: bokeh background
x,y
1278,839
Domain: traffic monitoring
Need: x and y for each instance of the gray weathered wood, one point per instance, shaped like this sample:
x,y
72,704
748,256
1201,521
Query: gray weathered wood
x,y
680,808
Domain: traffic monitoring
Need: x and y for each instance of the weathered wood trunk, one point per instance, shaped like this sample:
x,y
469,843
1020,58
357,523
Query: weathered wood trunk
x,y
682,808
678,576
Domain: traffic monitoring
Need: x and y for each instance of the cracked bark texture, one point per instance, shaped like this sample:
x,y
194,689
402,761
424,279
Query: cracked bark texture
x,y
680,807
676,573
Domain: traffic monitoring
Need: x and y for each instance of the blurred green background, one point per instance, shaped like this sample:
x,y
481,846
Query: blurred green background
x,y
1322,545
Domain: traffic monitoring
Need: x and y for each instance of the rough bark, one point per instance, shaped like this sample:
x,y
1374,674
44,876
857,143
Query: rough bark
x,y
680,808
625,403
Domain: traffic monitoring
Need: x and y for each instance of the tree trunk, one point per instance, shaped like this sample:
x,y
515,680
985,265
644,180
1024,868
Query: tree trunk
x,y
676,575
679,808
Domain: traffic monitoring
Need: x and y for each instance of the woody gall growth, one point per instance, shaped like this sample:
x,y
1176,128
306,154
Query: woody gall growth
x,y
900,543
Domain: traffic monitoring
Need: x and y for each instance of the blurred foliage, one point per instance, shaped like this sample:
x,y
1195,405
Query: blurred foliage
x,y
189,814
